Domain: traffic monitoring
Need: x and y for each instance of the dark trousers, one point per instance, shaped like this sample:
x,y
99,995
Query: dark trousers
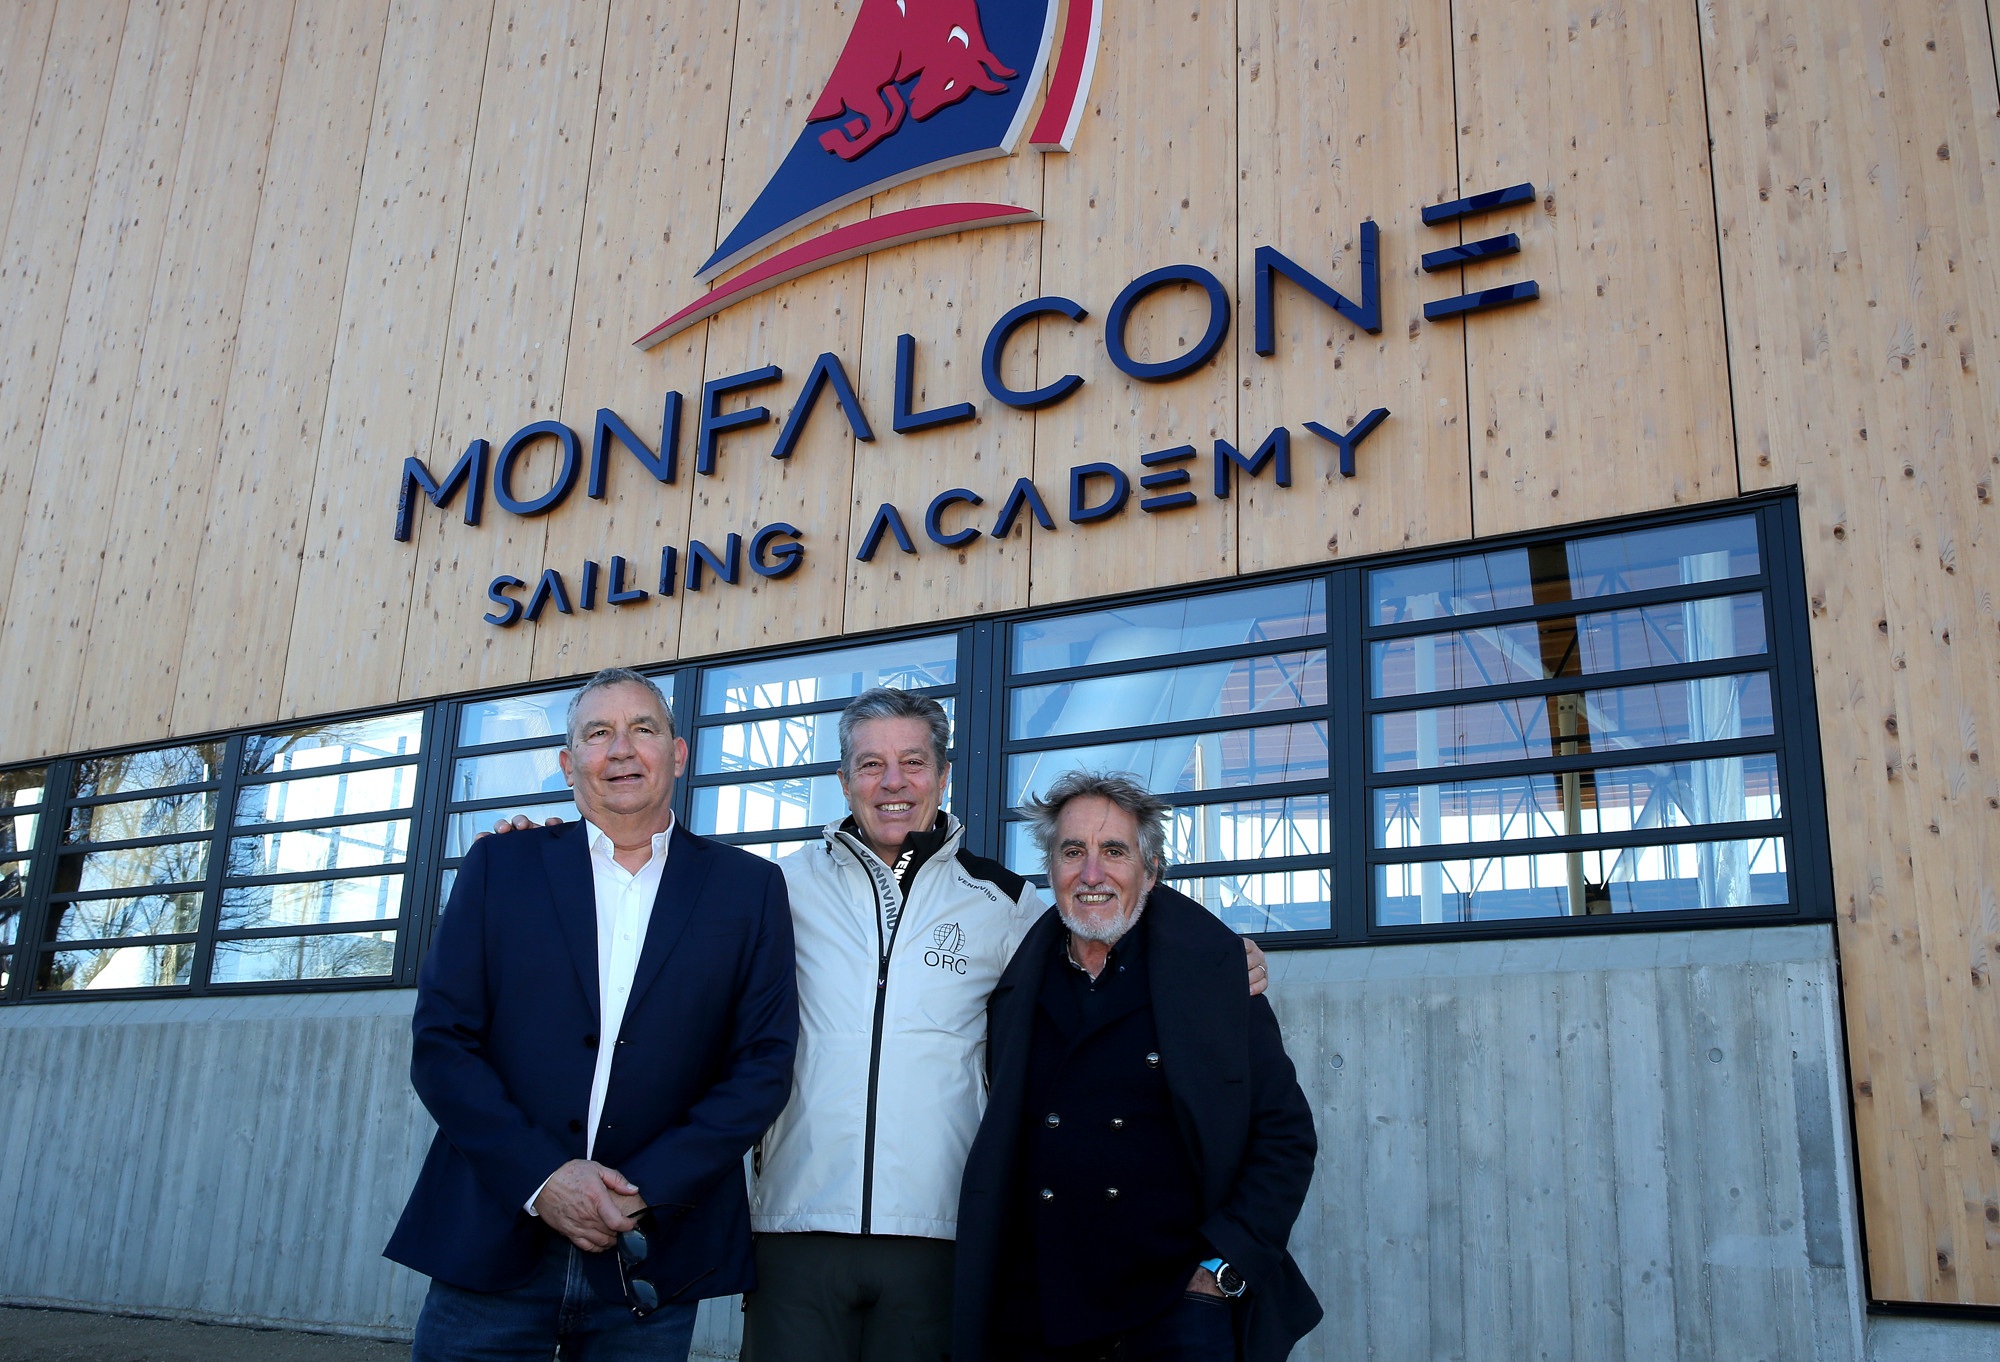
x,y
849,1298
555,1314
1197,1329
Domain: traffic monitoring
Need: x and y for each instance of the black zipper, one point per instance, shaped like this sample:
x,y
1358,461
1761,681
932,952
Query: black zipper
x,y
883,947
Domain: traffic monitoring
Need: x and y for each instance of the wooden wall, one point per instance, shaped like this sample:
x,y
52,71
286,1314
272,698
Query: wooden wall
x,y
254,254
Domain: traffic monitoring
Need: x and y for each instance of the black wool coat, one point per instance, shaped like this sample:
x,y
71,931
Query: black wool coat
x,y
1236,1102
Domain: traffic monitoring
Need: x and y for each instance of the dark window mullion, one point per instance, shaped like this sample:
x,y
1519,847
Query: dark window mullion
x,y
805,707
1788,616
218,863
1347,752
40,882
133,796
429,820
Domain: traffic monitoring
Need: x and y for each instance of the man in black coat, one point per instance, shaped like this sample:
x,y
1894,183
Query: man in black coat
x,y
1146,1146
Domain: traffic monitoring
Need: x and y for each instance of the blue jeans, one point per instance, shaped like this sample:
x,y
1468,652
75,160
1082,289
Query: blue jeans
x,y
1196,1329
554,1313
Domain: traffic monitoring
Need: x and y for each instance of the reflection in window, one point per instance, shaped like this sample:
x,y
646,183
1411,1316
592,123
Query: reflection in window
x,y
1569,645
304,904
1643,879
343,742
112,919
1206,761
338,955
1268,901
1591,802
509,773
158,769
1579,569
768,805
1285,610
345,846
516,718
1246,686
1626,719
317,797
167,965
913,664
130,819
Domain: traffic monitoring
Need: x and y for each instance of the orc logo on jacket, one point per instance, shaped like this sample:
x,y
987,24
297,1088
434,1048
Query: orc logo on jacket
x,y
947,939
920,86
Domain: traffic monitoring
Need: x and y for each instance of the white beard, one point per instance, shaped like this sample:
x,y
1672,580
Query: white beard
x,y
1101,929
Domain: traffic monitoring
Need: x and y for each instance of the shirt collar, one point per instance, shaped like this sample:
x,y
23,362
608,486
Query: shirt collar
x,y
601,844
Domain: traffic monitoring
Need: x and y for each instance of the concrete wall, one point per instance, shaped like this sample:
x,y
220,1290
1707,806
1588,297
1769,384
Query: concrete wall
x,y
1595,1148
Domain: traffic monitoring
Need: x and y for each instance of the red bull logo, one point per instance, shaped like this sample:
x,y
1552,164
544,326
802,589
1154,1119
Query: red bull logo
x,y
939,44
919,86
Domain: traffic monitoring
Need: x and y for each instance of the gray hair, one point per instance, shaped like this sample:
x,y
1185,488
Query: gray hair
x,y
613,676
1148,810
886,702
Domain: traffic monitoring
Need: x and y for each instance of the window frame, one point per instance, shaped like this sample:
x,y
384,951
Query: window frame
x,y
981,695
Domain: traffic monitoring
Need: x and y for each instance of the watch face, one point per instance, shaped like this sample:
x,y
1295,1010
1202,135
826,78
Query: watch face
x,y
1230,1281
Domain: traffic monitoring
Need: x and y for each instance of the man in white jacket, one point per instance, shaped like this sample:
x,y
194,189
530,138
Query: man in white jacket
x,y
901,936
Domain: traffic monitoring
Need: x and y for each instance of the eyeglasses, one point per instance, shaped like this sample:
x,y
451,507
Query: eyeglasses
x,y
632,1249
641,1295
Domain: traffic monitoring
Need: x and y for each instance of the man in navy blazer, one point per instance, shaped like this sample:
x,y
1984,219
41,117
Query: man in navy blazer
x,y
604,1024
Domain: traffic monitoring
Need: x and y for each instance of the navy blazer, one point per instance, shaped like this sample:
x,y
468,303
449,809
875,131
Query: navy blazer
x,y
1236,1102
505,1044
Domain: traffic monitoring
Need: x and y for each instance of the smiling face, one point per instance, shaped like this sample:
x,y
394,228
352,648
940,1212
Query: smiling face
x,y
622,760
1097,870
893,782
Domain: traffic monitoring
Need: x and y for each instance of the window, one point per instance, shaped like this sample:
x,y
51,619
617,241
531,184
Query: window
x,y
1576,728
21,795
1218,702
1599,728
767,744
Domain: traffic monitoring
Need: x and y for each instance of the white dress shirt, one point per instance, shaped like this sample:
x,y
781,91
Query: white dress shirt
x,y
624,911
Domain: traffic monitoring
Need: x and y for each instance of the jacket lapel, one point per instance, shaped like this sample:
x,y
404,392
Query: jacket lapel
x,y
572,889
682,881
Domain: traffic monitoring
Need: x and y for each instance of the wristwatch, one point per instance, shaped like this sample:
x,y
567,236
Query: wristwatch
x,y
1227,1279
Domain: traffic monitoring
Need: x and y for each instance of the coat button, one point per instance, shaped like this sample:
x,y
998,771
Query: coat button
x,y
1118,1123
576,1127
1048,1194
1110,1193
1153,1060
590,1042
1052,1120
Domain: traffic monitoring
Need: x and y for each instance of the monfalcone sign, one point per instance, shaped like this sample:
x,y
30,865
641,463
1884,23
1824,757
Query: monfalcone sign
x,y
922,86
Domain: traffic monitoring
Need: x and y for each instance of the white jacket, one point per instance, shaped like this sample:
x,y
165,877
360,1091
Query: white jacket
x,y
835,1161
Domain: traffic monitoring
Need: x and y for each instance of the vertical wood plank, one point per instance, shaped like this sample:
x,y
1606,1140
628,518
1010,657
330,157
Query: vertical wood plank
x,y
655,176
1854,163
1139,192
24,42
1346,115
144,585
46,223
245,577
1608,394
784,54
947,294
353,599
510,330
